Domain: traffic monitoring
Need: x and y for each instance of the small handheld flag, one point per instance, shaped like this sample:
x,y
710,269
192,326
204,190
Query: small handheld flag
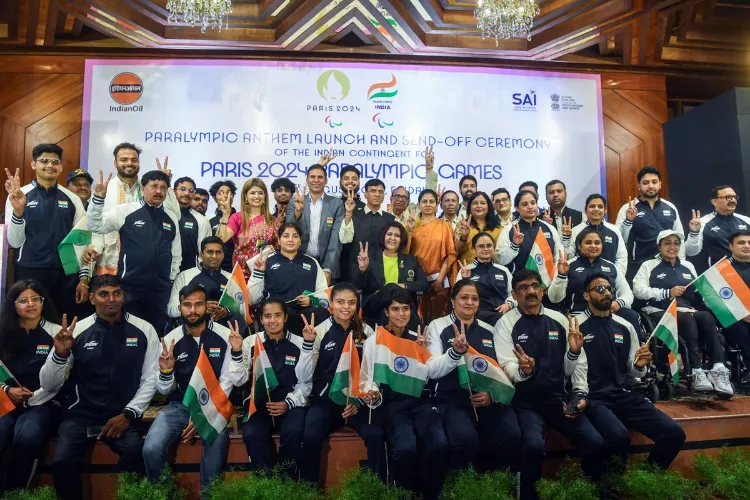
x,y
210,409
235,296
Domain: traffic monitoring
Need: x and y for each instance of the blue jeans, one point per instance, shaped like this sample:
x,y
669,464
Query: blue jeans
x,y
24,433
166,429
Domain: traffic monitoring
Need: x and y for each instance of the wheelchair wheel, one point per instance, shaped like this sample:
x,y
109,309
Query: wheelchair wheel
x,y
666,389
653,392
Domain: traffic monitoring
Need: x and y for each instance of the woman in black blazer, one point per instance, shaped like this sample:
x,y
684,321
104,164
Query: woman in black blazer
x,y
387,265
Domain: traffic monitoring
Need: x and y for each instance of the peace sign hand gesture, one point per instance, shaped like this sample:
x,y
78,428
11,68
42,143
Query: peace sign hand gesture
x,y
235,338
299,202
695,222
16,197
525,363
260,263
464,225
567,226
465,271
631,212
326,158
517,234
308,331
460,345
64,338
363,259
350,204
411,220
421,336
575,337
164,169
429,158
166,360
440,192
100,188
562,264
547,217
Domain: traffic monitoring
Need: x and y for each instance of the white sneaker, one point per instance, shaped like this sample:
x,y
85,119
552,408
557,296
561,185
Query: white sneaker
x,y
720,380
701,382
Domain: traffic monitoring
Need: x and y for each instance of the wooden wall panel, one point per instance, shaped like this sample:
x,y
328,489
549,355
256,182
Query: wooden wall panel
x,y
41,101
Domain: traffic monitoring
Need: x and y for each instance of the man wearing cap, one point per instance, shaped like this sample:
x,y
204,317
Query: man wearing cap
x,y
79,183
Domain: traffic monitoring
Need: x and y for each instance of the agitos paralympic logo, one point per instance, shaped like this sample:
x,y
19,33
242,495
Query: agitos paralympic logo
x,y
126,89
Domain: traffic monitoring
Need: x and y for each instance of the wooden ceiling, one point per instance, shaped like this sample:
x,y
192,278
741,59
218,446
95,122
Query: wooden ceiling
x,y
685,33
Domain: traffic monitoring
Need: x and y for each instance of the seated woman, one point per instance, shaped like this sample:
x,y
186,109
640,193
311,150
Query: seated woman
x,y
491,422
378,269
492,280
27,336
407,418
324,413
666,277
286,275
568,286
284,411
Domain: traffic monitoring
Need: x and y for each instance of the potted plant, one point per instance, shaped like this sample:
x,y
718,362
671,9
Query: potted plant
x,y
270,485
136,487
569,485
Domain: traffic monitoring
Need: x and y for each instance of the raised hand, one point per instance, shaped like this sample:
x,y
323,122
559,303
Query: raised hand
x,y
567,226
411,219
460,345
517,234
465,271
100,188
631,212
16,197
440,192
575,337
235,339
165,168
429,159
166,360
547,217
299,202
260,263
695,222
421,336
308,331
562,263
504,308
464,226
326,158
350,204
363,258
643,356
64,339
525,362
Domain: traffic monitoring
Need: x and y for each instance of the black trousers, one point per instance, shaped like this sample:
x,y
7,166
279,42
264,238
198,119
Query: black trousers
x,y
405,421
532,417
693,328
496,429
739,335
323,415
614,415
55,283
294,321
149,305
73,442
256,434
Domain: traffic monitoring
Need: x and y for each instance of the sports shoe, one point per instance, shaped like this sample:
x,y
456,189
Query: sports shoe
x,y
701,382
720,380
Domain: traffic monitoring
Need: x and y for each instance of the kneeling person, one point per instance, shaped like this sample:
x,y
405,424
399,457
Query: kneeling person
x,y
180,351
110,384
614,352
291,359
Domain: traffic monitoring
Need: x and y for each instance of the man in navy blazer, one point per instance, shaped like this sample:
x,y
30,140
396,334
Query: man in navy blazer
x,y
319,216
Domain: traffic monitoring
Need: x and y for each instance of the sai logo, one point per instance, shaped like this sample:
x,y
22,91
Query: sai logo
x,y
521,100
384,90
333,85
479,365
126,88
332,122
380,121
400,364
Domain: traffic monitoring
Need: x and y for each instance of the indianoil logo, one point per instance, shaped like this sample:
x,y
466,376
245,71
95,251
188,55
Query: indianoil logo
x,y
126,88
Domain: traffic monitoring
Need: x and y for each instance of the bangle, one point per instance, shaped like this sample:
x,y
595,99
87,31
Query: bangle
x,y
166,372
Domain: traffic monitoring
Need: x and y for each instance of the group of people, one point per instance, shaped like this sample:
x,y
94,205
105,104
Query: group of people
x,y
147,304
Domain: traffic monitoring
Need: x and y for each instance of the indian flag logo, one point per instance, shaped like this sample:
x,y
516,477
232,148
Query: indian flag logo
x,y
382,90
306,267
214,352
487,343
42,349
553,335
167,226
290,360
607,239
62,203
188,225
131,341
619,338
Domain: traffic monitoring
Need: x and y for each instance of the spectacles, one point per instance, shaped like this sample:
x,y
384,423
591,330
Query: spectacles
x,y
25,301
400,197
729,197
47,161
600,289
183,189
503,200
534,287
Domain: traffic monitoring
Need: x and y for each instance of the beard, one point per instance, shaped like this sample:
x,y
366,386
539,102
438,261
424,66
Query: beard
x,y
197,322
602,305
121,172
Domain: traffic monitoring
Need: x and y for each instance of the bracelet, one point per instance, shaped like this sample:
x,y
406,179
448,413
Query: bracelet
x,y
166,372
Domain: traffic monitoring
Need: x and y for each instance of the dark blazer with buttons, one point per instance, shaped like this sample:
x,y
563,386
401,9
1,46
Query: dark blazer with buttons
x,y
331,217
410,273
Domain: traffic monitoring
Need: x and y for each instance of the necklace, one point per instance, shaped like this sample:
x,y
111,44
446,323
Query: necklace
x,y
259,243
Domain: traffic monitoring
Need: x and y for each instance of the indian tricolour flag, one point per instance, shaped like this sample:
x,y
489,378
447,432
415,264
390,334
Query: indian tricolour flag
x,y
666,331
400,363
210,409
541,260
345,384
73,246
321,298
724,292
235,296
485,375
6,405
264,378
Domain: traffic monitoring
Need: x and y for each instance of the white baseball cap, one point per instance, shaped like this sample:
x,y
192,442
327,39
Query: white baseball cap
x,y
668,232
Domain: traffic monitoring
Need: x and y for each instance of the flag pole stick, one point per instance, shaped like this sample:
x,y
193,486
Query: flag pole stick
x,y
268,394
11,375
347,404
476,415
369,418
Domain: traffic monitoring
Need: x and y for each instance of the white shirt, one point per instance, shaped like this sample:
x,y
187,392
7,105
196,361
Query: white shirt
x,y
316,212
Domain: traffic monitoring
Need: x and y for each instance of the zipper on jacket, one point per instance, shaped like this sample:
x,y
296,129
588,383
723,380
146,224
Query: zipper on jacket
x,y
124,265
